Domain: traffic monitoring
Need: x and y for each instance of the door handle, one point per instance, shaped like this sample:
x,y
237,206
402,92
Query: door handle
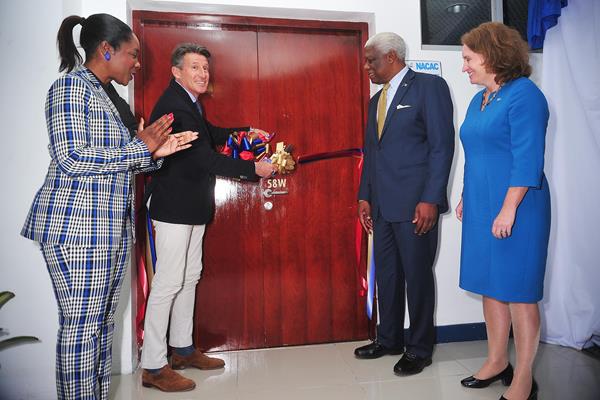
x,y
270,192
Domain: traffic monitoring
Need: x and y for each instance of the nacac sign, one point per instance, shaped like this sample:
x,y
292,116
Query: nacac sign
x,y
428,67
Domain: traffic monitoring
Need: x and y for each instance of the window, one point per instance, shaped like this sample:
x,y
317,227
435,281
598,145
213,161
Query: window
x,y
443,22
515,15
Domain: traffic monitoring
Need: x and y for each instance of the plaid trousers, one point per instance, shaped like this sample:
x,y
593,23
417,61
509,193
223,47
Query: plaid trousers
x,y
87,283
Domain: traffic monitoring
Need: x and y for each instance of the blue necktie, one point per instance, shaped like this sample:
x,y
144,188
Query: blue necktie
x,y
199,107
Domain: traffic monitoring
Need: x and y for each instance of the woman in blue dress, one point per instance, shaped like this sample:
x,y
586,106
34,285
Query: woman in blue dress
x,y
505,206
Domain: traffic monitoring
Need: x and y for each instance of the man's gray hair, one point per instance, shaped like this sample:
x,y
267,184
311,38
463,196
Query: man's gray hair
x,y
184,48
386,42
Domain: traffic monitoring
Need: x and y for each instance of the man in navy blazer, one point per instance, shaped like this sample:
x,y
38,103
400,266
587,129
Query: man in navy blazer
x,y
409,145
181,204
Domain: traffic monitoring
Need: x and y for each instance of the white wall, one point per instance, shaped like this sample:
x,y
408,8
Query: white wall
x,y
29,65
27,38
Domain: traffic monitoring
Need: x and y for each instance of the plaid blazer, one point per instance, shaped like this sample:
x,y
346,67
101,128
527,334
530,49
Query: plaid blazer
x,y
87,194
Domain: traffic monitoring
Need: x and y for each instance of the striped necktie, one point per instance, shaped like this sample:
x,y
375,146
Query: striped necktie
x,y
382,109
199,107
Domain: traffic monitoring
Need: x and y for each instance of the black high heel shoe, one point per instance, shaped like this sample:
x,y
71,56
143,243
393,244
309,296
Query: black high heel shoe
x,y
506,376
532,395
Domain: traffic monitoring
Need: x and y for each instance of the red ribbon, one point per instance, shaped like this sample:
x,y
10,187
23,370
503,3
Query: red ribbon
x,y
358,242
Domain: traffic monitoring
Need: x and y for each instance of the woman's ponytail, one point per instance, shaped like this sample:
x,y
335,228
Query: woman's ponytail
x,y
69,55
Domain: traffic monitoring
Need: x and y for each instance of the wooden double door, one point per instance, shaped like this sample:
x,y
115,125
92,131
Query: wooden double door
x,y
280,257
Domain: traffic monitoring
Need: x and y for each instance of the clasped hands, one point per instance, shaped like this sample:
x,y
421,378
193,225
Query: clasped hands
x,y
424,219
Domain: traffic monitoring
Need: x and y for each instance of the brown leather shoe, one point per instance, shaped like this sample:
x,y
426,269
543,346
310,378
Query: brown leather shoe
x,y
196,360
167,380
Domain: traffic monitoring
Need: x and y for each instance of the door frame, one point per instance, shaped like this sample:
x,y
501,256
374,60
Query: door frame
x,y
139,17
212,21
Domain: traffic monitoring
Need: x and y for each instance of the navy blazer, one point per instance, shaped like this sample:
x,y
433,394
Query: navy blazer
x,y
411,162
183,189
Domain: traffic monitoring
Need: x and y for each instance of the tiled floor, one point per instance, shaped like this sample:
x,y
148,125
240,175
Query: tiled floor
x,y
331,372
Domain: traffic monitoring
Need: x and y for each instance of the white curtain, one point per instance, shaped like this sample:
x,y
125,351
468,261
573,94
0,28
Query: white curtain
x,y
571,83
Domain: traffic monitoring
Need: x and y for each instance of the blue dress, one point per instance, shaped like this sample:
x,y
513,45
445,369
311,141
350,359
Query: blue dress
x,y
504,147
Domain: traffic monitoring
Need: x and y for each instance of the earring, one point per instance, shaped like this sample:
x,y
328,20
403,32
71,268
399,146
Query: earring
x,y
107,56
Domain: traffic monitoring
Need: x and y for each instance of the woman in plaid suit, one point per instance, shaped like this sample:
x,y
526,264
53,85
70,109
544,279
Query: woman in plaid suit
x,y
82,214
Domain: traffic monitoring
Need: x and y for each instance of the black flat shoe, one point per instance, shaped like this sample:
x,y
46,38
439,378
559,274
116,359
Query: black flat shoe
x,y
411,364
506,376
532,395
374,350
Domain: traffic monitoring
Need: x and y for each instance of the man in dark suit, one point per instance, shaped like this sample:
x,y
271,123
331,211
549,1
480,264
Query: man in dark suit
x,y
181,204
409,145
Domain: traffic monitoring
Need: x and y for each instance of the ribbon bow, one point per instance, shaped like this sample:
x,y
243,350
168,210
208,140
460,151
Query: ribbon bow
x,y
247,145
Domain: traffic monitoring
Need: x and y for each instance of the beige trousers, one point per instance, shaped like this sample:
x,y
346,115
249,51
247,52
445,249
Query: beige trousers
x,y
172,295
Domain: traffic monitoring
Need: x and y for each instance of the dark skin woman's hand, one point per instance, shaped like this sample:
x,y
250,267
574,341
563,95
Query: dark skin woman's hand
x,y
157,133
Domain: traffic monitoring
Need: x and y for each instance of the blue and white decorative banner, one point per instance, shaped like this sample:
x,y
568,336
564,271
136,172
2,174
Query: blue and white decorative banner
x,y
541,16
428,67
